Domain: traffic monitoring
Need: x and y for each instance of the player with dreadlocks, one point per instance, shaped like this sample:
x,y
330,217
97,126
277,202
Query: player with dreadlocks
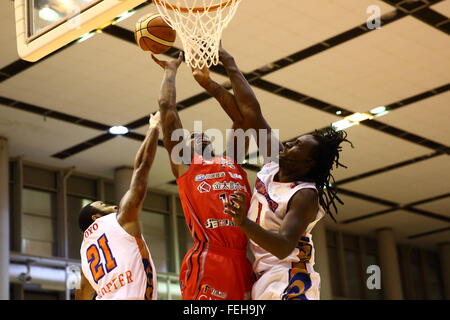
x,y
293,191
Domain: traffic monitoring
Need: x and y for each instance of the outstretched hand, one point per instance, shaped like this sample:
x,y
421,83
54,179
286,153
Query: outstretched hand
x,y
223,54
171,64
201,75
236,207
155,120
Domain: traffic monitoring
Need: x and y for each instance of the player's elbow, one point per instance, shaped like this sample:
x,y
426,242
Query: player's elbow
x,y
282,254
284,250
140,179
164,103
142,169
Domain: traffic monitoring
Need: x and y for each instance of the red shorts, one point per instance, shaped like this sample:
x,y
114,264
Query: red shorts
x,y
216,273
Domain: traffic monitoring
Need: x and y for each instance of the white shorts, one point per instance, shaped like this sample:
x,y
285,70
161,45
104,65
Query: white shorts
x,y
282,283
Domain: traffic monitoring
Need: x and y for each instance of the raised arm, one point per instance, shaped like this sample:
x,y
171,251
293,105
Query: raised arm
x,y
170,120
225,98
131,203
247,102
228,103
301,212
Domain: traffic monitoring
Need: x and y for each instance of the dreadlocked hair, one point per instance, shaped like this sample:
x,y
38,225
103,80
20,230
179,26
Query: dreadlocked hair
x,y
326,156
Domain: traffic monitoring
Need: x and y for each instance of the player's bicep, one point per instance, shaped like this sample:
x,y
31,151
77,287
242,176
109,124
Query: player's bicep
x,y
268,143
229,104
173,138
131,202
172,129
171,126
302,210
237,144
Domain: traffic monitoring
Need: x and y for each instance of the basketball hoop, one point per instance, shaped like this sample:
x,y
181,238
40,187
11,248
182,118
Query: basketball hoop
x,y
199,25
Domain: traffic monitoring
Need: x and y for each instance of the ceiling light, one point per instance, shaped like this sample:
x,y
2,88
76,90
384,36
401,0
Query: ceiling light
x,y
48,14
358,117
382,114
343,124
339,112
378,110
118,130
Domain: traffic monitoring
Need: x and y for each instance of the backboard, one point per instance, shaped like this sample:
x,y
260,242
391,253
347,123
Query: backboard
x,y
43,26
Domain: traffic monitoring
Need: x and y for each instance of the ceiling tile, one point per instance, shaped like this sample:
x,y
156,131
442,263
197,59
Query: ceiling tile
x,y
428,118
354,208
408,184
36,138
442,7
373,150
441,206
120,151
431,241
302,22
403,223
103,79
398,61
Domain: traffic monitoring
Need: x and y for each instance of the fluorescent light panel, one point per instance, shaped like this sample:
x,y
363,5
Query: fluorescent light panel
x,y
343,124
118,130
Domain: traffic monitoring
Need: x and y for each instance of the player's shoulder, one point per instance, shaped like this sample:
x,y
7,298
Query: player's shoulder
x,y
269,168
98,226
304,185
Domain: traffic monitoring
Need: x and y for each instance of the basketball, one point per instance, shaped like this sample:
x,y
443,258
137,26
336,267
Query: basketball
x,y
153,34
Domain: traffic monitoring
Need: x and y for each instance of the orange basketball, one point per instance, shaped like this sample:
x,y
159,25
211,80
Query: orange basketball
x,y
153,34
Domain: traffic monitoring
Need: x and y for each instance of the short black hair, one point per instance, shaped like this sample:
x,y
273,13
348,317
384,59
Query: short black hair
x,y
85,217
326,156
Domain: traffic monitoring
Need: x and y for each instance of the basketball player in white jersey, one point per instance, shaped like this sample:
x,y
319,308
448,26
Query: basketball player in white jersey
x,y
116,263
291,195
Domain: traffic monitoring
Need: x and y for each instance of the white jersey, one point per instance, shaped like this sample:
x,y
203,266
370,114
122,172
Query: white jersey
x,y
268,208
117,265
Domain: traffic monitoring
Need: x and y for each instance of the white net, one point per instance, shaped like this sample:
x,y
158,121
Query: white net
x,y
199,24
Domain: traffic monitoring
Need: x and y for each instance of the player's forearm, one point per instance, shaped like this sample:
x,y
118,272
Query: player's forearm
x,y
167,97
243,92
83,295
78,294
133,199
226,100
85,292
275,243
146,154
139,154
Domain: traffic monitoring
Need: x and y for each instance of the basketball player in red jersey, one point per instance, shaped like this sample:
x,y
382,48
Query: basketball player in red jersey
x,y
216,267
292,193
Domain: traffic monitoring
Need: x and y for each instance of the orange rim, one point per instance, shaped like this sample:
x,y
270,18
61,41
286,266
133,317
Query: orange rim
x,y
169,6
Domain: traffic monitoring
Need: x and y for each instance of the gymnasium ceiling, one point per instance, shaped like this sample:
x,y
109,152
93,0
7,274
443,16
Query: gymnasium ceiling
x,y
306,60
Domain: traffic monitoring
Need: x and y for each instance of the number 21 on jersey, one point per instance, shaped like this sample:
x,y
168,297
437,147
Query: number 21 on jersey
x,y
93,256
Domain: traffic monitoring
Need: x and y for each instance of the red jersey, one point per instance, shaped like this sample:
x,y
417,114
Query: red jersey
x,y
204,189
216,267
